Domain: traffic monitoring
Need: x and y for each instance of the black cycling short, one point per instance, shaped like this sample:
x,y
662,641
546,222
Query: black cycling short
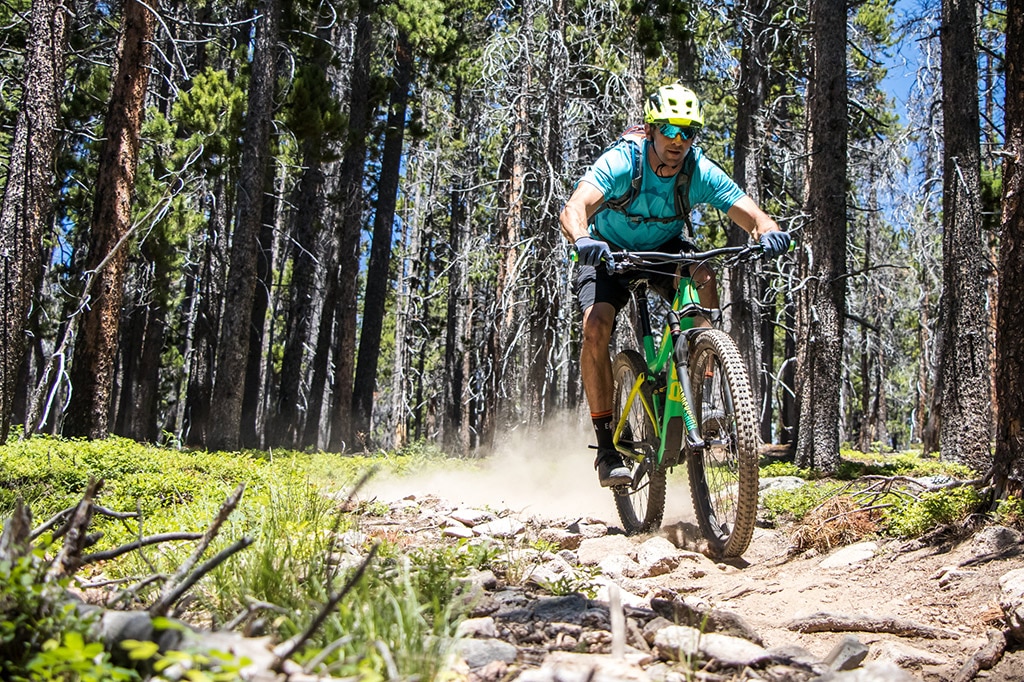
x,y
595,285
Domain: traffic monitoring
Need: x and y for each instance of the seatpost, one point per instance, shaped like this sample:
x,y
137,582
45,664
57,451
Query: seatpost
x,y
644,318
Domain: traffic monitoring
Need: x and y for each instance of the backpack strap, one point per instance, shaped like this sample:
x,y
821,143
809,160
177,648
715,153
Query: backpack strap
x,y
683,178
635,136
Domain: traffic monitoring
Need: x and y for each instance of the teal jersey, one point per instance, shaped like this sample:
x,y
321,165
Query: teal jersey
x,y
612,174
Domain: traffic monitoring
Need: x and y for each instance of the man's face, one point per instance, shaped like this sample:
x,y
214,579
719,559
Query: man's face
x,y
671,150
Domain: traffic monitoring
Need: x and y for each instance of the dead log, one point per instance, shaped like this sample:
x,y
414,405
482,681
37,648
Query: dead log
x,y
836,622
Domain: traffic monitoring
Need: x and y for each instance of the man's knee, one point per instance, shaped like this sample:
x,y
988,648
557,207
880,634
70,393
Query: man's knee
x,y
597,325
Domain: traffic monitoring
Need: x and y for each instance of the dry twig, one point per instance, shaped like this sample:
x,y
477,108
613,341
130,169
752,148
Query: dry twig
x,y
69,559
141,542
181,576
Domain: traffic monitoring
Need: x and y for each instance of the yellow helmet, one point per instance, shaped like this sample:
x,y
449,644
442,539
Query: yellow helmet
x,y
675,104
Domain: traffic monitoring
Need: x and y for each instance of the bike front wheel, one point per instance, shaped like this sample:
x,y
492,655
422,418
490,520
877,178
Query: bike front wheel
x,y
641,504
723,478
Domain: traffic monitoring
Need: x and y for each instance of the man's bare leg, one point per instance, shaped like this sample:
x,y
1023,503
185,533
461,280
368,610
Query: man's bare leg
x,y
596,371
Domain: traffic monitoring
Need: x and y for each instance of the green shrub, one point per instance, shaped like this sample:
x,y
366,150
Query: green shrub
x,y
915,517
1010,512
42,635
776,469
794,504
910,463
397,621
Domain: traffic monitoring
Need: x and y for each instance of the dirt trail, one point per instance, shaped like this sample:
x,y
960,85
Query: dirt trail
x,y
551,479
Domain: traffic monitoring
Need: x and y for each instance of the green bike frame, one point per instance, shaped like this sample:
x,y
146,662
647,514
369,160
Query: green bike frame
x,y
669,410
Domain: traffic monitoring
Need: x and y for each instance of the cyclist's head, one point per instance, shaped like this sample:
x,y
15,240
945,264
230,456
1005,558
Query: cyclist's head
x,y
675,108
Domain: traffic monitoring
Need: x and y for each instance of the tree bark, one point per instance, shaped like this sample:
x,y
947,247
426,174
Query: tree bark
x,y
1009,455
966,429
378,273
454,435
233,342
349,231
27,207
93,367
747,323
284,428
824,297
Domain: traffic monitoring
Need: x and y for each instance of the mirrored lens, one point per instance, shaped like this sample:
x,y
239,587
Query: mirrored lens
x,y
670,130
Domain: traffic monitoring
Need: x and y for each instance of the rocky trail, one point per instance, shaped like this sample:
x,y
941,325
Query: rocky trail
x,y
577,600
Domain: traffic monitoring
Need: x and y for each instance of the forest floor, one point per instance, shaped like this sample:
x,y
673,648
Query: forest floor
x,y
948,584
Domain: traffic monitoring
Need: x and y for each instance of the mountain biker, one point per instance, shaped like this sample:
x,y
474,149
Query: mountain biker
x,y
651,220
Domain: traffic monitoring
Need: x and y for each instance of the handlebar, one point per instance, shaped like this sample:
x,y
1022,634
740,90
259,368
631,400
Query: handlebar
x,y
624,261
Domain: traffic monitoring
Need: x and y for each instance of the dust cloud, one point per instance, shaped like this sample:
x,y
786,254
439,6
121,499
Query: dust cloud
x,y
548,474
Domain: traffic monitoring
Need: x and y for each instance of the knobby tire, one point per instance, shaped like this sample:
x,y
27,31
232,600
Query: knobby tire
x,y
723,482
641,504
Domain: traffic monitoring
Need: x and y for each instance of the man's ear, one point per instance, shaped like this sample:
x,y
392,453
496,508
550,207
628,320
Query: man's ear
x,y
649,132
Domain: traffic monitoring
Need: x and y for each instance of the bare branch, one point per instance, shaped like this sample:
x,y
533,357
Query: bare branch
x,y
124,549
172,590
69,559
168,598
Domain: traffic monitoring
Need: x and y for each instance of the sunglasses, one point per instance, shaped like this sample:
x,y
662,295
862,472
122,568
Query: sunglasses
x,y
670,130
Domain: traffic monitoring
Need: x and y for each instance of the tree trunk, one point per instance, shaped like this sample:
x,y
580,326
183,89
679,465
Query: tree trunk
x,y
823,308
865,431
1009,455
966,429
512,174
253,393
349,231
284,426
93,367
378,274
454,436
547,246
207,293
27,207
233,344
746,285
396,434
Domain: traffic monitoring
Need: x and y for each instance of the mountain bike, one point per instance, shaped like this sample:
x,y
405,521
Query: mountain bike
x,y
686,397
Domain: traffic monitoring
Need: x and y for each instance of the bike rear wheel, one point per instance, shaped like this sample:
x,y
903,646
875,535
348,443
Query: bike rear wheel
x,y
641,504
723,478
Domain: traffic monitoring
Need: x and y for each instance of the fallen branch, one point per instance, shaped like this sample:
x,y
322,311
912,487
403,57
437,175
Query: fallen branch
x,y
345,507
142,542
984,658
835,622
164,602
14,543
251,607
69,559
62,514
168,597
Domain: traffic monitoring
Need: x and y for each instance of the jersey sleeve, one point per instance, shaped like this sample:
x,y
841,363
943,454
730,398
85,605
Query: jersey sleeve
x,y
612,172
712,185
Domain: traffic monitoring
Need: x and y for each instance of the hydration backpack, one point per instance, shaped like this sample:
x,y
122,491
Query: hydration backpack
x,y
634,136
